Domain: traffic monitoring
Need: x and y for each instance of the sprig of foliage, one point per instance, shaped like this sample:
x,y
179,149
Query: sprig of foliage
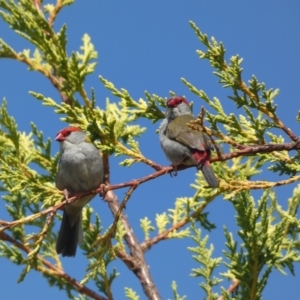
x,y
50,57
131,294
175,292
24,187
139,109
265,242
100,255
208,264
186,210
146,227
259,123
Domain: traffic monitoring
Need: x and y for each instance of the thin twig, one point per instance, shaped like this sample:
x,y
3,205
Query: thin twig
x,y
232,288
52,209
139,267
52,269
249,151
146,245
54,13
244,88
38,6
112,231
204,129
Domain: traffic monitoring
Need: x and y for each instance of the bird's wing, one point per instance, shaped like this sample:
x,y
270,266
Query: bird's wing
x,y
183,134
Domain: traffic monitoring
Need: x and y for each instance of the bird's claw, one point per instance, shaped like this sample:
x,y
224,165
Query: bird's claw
x,y
66,194
174,171
104,190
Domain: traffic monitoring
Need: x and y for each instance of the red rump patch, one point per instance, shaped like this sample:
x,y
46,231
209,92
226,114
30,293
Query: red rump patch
x,y
175,101
61,135
201,157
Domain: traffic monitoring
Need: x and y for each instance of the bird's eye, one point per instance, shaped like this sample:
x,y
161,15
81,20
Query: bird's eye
x,y
180,101
68,132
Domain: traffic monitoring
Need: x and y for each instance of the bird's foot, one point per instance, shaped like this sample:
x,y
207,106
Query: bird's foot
x,y
174,172
103,191
66,194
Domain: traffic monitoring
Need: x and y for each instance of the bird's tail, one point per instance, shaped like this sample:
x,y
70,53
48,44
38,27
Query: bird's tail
x,y
209,174
69,236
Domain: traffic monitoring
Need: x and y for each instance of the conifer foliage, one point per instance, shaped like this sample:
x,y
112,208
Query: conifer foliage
x,y
246,143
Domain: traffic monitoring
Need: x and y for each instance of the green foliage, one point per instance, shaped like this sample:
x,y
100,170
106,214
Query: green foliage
x,y
175,293
203,256
19,152
268,241
131,294
140,108
255,125
146,227
268,235
111,126
24,188
185,209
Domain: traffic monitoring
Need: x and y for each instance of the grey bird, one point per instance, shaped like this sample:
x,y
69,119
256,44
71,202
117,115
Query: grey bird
x,y
183,145
80,170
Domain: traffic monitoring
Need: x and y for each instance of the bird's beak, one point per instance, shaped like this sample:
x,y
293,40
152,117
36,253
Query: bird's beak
x,y
59,137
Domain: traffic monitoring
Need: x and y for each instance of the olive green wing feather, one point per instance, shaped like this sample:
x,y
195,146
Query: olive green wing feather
x,y
178,131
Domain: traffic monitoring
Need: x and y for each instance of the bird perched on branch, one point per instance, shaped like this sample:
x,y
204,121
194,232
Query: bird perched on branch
x,y
183,145
80,170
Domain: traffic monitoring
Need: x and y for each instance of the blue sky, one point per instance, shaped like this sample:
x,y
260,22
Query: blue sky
x,y
149,45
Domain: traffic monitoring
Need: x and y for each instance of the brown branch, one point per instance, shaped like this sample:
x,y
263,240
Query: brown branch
x,y
136,258
232,288
138,157
129,261
7,225
249,151
52,269
139,267
146,245
120,210
245,185
136,261
252,150
113,229
38,6
54,13
133,183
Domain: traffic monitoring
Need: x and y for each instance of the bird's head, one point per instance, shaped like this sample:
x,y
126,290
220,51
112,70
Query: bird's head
x,y
177,106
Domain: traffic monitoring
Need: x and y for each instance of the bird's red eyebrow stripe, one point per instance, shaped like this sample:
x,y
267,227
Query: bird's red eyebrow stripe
x,y
60,136
71,129
173,102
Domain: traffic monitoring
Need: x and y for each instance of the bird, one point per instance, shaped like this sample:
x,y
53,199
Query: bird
x,y
183,145
80,170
